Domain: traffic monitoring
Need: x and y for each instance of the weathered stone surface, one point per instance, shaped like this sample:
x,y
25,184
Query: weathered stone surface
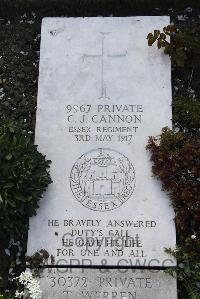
x,y
107,284
102,92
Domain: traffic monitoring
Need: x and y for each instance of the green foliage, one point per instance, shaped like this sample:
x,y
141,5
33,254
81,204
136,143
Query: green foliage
x,y
183,45
6,296
176,161
186,114
187,271
24,176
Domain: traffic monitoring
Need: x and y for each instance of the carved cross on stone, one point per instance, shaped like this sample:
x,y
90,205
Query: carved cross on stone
x,y
104,57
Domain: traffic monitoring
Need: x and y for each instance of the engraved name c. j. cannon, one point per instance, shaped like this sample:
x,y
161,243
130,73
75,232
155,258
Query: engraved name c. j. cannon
x,y
102,179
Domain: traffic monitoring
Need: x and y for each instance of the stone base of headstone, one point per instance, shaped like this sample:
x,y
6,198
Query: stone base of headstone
x,y
79,283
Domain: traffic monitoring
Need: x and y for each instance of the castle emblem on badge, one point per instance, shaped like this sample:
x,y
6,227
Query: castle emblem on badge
x,y
102,179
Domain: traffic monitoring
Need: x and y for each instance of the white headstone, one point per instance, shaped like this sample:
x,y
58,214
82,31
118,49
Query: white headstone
x,y
107,284
102,93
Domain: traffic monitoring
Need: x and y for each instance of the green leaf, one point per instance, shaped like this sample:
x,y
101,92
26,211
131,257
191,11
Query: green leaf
x,y
156,33
151,41
150,35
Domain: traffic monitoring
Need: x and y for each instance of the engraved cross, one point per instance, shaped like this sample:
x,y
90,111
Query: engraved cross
x,y
104,57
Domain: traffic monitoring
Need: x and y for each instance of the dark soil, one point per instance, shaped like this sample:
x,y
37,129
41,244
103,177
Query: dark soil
x,y
20,24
